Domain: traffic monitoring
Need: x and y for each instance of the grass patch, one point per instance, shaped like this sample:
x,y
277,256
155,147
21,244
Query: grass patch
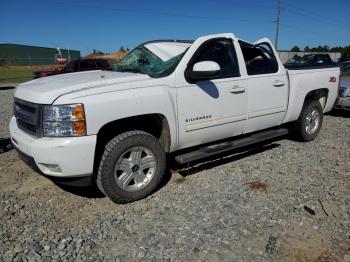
x,y
18,74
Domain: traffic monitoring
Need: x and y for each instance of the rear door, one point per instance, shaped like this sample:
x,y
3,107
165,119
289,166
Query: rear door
x,y
217,108
267,86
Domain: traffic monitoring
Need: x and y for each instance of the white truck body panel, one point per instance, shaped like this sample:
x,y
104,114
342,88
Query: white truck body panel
x,y
74,155
263,111
301,82
196,113
115,101
47,89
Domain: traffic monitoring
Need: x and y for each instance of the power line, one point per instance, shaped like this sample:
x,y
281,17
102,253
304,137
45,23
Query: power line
x,y
310,31
279,8
320,20
278,23
312,13
121,10
306,13
237,3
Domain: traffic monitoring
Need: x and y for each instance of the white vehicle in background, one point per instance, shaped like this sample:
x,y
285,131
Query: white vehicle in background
x,y
343,101
190,98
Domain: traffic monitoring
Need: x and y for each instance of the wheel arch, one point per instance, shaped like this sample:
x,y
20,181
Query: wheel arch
x,y
319,94
155,124
297,102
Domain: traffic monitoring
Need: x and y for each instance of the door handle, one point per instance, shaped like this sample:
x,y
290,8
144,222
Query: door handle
x,y
237,90
278,83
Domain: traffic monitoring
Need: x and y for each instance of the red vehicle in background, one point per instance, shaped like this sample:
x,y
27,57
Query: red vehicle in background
x,y
74,66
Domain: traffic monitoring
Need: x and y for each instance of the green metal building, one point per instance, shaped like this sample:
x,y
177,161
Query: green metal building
x,y
26,55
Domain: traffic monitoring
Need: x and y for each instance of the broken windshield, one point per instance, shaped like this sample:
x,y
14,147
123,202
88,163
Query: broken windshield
x,y
141,60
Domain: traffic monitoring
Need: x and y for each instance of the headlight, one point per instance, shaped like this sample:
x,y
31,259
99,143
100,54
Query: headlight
x,y
64,120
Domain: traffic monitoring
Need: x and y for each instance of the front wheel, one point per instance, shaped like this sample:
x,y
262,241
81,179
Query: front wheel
x,y
131,167
309,123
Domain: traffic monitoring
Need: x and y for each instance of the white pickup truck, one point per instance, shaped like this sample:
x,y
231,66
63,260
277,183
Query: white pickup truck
x,y
189,98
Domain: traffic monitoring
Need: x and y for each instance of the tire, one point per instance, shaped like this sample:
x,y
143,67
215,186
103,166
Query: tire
x,y
309,123
132,167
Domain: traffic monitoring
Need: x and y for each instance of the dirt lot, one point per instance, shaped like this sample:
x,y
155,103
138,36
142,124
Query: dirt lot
x,y
286,201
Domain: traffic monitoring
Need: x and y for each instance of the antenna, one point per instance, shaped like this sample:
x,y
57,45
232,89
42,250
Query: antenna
x,y
278,22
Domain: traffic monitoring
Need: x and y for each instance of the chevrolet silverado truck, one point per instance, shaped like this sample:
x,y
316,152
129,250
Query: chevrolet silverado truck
x,y
192,99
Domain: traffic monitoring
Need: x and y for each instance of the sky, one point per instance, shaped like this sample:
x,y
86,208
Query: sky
x,y
106,25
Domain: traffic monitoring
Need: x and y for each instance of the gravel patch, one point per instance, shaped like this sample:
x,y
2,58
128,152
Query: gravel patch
x,y
6,111
286,201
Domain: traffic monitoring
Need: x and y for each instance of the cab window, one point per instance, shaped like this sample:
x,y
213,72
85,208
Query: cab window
x,y
221,51
259,59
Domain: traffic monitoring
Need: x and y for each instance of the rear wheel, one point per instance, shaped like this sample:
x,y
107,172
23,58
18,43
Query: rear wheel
x,y
131,167
309,123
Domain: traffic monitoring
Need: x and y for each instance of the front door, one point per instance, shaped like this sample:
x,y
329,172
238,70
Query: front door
x,y
217,108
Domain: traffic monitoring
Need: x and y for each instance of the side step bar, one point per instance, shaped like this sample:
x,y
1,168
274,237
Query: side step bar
x,y
228,146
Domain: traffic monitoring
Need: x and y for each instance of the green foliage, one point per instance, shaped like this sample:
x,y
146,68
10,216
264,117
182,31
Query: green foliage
x,y
295,49
344,50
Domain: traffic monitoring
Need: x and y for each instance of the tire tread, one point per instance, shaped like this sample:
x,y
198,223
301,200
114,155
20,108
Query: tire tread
x,y
297,129
101,181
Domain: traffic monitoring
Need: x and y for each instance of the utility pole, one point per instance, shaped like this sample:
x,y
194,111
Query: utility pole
x,y
68,55
278,22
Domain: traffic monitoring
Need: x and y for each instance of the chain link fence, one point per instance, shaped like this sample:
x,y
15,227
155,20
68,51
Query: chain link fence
x,y
26,61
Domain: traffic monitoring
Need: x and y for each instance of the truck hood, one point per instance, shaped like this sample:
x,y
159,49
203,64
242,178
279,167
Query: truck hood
x,y
46,90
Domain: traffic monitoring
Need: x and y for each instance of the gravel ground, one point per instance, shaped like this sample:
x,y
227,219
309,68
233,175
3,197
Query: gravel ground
x,y
287,201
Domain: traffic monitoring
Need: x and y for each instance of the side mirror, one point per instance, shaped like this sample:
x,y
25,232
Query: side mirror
x,y
204,70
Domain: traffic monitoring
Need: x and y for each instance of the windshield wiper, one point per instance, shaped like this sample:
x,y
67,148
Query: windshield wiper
x,y
132,70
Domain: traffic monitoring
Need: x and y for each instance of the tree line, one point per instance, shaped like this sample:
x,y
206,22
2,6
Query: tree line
x,y
344,50
96,52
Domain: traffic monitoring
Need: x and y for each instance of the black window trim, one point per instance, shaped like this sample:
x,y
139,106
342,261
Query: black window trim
x,y
270,53
194,57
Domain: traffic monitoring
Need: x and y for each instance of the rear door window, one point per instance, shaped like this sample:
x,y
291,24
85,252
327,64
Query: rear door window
x,y
259,59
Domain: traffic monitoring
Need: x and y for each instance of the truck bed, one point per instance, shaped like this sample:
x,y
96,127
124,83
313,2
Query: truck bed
x,y
303,81
306,67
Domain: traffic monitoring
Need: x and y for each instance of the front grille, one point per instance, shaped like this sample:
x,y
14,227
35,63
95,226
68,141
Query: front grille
x,y
28,117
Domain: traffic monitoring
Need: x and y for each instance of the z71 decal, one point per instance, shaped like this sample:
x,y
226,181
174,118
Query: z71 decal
x,y
332,79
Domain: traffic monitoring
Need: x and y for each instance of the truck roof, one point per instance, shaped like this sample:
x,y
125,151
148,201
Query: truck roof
x,y
165,50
